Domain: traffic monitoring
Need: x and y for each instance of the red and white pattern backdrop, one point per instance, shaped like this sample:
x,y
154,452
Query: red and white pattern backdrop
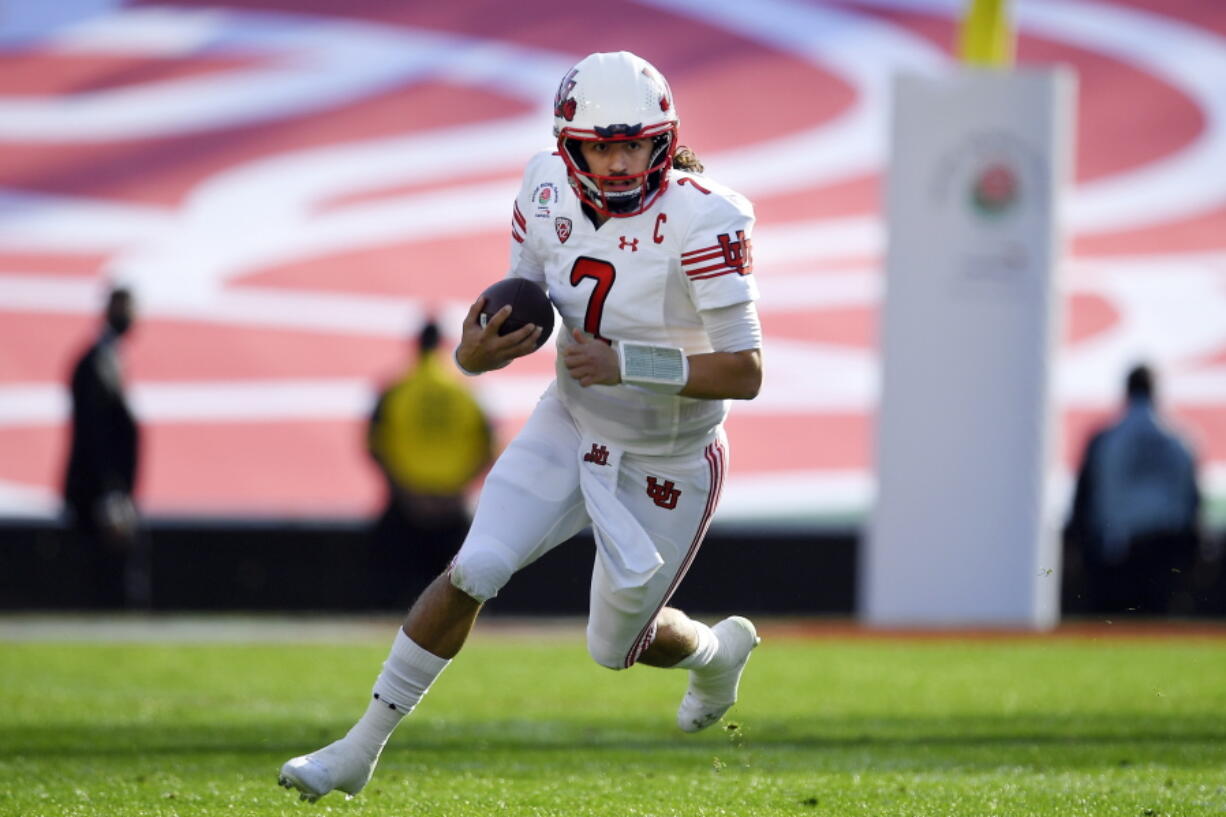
x,y
290,184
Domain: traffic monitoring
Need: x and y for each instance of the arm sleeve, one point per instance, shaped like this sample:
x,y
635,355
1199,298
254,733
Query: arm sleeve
x,y
1079,518
717,259
374,425
1194,496
733,328
97,443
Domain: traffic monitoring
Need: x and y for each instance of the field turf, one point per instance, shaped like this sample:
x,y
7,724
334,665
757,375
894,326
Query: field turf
x,y
523,725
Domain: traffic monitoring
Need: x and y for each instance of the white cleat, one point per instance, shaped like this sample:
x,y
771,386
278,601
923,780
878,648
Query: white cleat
x,y
713,688
334,767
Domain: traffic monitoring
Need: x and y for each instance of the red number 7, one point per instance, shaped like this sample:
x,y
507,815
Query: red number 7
x,y
603,273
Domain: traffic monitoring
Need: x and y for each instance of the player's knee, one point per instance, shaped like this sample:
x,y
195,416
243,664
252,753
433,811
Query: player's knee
x,y
482,568
606,655
607,658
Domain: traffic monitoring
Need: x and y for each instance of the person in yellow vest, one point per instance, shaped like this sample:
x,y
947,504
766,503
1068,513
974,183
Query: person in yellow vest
x,y
431,441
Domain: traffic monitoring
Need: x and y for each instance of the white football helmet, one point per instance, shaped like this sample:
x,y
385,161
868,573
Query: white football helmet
x,y
615,96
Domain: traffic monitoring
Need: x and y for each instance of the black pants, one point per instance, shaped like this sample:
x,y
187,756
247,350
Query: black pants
x,y
1151,580
117,578
408,553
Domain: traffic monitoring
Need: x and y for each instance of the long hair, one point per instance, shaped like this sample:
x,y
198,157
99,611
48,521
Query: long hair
x,y
686,159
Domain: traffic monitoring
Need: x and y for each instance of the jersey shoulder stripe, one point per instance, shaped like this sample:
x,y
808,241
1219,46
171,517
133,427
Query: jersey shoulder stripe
x,y
733,253
715,224
519,225
700,254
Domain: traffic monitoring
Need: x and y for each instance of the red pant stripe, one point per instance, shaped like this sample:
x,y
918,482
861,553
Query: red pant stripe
x,y
717,460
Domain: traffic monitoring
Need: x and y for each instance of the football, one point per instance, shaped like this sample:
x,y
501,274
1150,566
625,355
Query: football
x,y
529,304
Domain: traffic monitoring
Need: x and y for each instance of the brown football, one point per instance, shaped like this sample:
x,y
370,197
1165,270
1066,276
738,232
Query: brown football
x,y
529,304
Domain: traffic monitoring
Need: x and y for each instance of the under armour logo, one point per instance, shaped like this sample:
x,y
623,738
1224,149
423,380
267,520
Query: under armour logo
x,y
664,495
598,455
633,244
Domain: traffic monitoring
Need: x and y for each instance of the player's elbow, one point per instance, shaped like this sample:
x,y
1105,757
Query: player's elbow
x,y
753,385
749,391
749,375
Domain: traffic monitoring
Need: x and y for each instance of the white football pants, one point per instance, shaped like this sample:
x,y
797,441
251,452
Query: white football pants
x,y
532,502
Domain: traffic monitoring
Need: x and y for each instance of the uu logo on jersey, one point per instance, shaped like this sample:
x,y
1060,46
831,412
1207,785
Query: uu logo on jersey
x,y
545,195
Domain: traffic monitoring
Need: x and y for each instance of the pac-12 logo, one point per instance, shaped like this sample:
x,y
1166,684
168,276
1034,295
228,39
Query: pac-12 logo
x,y
563,226
664,493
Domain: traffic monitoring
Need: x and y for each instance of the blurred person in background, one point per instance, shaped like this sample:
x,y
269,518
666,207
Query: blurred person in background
x,y
431,441
1135,521
102,467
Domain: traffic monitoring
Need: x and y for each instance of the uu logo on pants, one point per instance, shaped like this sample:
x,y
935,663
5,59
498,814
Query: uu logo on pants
x,y
663,494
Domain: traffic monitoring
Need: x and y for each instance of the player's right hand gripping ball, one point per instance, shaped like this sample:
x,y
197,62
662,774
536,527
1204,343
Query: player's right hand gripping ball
x,y
529,304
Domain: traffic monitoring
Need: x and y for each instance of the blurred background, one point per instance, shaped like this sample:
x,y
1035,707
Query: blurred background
x,y
290,186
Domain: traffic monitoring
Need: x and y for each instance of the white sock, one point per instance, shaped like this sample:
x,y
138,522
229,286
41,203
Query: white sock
x,y
708,647
407,675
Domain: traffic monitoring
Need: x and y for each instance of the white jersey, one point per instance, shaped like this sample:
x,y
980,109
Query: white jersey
x,y
642,278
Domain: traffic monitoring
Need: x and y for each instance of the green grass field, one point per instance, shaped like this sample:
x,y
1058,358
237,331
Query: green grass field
x,y
523,725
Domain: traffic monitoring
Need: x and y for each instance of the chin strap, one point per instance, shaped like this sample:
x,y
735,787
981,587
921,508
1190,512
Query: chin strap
x,y
624,201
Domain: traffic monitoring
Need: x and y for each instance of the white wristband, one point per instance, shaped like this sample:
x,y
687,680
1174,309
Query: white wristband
x,y
658,368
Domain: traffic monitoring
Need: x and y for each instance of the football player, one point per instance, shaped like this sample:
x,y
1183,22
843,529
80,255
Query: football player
x,y
649,265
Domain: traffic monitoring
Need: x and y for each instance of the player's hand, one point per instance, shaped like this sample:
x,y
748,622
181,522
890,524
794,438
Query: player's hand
x,y
483,349
591,361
